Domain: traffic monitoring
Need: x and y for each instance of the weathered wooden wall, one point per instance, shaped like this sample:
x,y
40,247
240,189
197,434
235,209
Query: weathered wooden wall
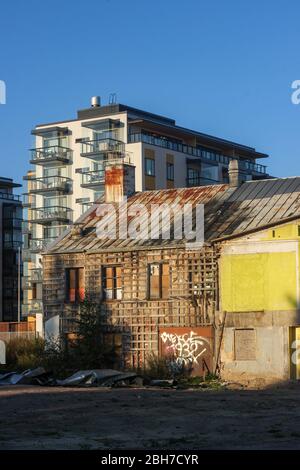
x,y
192,294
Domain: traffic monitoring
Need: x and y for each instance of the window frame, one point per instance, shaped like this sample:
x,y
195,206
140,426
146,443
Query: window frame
x,y
152,160
78,297
114,287
161,295
170,165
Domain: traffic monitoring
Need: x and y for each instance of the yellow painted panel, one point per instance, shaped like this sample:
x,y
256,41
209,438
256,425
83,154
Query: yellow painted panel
x,y
242,283
262,281
281,281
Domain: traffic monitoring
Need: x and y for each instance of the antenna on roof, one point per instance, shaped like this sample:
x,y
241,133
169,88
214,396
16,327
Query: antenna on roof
x,y
112,98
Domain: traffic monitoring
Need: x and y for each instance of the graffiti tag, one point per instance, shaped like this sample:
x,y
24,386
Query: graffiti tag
x,y
186,348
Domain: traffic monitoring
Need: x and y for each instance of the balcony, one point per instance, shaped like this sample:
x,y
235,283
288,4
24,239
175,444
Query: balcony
x,y
55,154
46,215
26,227
49,185
33,307
102,149
27,200
35,276
36,245
92,179
26,256
10,196
199,181
26,283
205,154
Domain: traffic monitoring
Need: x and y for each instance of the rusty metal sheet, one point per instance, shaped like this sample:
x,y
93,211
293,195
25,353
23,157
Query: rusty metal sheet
x,y
190,348
228,212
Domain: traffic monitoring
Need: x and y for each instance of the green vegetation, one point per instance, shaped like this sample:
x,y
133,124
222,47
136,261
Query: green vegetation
x,y
86,351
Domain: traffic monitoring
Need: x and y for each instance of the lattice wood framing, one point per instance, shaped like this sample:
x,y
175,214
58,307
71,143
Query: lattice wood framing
x,y
192,301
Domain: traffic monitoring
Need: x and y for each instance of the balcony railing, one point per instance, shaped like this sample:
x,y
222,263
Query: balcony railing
x,y
39,244
46,215
32,308
92,178
192,151
28,200
26,255
99,149
26,227
34,276
10,196
52,154
51,184
26,283
200,181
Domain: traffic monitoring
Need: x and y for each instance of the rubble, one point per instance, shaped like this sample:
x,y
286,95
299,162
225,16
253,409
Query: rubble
x,y
36,376
99,378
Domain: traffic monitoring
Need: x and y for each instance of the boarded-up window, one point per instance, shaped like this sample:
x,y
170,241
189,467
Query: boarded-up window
x,y
245,344
159,280
112,283
74,285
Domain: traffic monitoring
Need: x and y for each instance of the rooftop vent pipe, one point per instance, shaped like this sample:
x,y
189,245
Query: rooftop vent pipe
x,y
95,102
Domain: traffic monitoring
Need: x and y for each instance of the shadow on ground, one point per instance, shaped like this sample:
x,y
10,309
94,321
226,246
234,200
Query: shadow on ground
x,y
59,418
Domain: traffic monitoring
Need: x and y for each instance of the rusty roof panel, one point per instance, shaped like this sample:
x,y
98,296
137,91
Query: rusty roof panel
x,y
228,212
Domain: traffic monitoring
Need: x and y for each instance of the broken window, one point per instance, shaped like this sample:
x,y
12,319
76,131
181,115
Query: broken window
x,y
74,285
158,281
111,281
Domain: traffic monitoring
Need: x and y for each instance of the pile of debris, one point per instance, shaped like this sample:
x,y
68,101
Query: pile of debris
x,y
36,376
101,378
82,378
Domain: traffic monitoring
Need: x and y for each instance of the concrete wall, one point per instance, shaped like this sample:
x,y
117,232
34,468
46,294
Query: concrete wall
x,y
272,358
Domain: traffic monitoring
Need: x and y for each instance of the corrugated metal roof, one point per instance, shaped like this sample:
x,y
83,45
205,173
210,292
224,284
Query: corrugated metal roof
x,y
257,204
228,212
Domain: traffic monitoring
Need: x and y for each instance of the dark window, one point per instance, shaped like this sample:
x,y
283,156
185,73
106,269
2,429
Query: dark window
x,y
74,285
158,281
149,167
34,290
111,282
170,171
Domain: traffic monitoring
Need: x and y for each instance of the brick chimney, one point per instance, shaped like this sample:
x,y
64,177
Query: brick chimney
x,y
119,181
236,174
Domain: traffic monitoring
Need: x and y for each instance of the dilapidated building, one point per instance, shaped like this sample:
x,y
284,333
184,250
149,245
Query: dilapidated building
x,y
231,304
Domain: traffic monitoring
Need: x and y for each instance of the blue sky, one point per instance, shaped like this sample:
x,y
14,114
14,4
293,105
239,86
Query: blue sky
x,y
223,68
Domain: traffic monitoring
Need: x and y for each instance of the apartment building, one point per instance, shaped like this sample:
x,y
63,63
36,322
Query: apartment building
x,y
69,160
10,251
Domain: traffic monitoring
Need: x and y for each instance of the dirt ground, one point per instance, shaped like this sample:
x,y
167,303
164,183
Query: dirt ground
x,y
100,418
